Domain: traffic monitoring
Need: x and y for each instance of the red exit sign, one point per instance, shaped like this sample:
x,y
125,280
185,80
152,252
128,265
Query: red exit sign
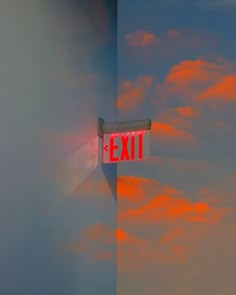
x,y
125,146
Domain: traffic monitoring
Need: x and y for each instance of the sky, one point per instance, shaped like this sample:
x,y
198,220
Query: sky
x,y
176,211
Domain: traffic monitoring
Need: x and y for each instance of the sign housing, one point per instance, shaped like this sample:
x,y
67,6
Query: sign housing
x,y
126,146
124,141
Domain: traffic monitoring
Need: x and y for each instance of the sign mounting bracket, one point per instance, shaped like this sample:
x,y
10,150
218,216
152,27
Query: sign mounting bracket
x,y
124,141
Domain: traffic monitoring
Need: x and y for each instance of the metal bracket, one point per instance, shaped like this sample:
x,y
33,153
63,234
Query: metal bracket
x,y
101,123
104,128
127,126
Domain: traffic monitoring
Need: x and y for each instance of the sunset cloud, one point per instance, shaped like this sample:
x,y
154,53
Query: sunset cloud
x,y
195,98
181,234
136,254
169,134
180,117
133,191
182,169
188,78
132,94
167,209
220,191
161,202
141,39
169,43
163,229
222,93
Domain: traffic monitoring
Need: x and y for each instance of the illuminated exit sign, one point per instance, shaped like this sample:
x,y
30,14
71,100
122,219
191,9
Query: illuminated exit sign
x,y
125,146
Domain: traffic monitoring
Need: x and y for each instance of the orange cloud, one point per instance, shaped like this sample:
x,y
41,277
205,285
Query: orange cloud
x,y
161,202
169,43
141,39
190,77
121,235
171,235
221,93
135,191
130,251
168,134
182,169
164,229
136,255
175,229
166,208
186,40
180,117
220,191
186,111
132,94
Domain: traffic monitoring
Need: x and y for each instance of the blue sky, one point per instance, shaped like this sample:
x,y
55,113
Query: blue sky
x,y
177,67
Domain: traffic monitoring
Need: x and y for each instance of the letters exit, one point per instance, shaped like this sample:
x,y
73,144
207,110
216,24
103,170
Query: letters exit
x,y
125,146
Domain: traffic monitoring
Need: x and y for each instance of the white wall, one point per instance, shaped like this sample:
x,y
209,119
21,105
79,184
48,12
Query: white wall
x,y
57,75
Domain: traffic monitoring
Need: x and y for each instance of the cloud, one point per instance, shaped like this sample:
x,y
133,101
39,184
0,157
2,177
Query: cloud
x,y
180,117
188,78
220,191
197,97
169,43
154,202
193,81
222,93
174,41
136,254
141,39
135,191
182,169
132,94
164,229
168,134
164,208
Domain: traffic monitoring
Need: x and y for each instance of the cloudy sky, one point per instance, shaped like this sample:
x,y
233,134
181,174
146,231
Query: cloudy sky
x,y
176,212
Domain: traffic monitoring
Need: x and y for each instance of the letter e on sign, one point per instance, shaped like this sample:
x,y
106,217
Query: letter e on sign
x,y
125,146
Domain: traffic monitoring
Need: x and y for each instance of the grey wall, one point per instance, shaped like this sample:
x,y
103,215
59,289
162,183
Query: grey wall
x,y
57,75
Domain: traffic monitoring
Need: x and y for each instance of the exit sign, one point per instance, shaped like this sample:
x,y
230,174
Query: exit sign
x,y
125,146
